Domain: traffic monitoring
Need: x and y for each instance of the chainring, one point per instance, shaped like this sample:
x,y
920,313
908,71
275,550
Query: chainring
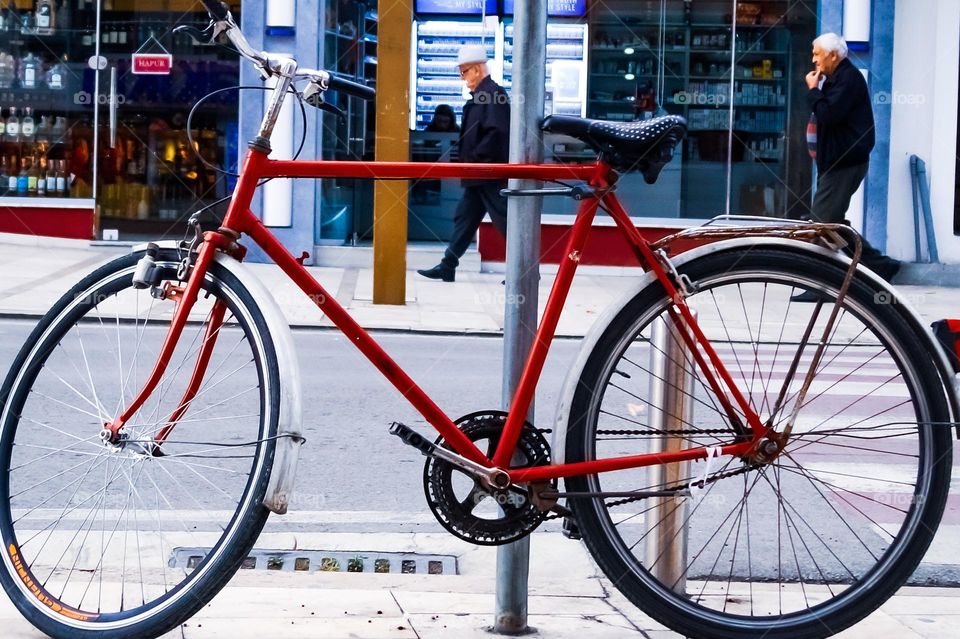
x,y
469,510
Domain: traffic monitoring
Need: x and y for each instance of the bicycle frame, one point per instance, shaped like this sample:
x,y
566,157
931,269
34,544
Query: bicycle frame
x,y
240,220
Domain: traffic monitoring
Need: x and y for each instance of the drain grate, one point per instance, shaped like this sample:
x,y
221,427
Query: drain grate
x,y
329,561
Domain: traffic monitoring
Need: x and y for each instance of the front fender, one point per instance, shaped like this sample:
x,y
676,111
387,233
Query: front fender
x,y
949,382
289,431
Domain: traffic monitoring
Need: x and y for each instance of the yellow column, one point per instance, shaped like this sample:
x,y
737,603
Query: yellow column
x,y
393,144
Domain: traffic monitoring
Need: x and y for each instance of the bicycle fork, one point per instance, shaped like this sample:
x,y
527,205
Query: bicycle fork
x,y
184,299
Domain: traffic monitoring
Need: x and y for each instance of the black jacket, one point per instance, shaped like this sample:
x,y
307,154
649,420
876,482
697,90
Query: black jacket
x,y
485,128
845,133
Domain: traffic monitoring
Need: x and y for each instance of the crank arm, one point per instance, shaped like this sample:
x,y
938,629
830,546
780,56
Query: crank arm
x,y
493,477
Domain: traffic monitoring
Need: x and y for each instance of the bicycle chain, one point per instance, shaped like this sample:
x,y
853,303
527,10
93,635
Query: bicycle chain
x,y
679,487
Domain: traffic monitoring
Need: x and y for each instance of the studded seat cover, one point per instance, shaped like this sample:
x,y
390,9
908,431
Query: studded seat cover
x,y
627,146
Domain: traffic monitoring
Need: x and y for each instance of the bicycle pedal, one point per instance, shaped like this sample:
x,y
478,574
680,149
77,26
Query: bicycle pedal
x,y
571,530
412,438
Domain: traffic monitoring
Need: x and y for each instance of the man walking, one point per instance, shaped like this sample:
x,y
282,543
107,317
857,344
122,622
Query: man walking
x,y
484,137
841,136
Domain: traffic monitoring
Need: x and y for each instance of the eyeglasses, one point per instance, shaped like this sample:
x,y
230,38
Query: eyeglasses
x,y
465,70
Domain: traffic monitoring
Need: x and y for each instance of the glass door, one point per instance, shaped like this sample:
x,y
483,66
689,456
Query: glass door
x,y
350,50
154,169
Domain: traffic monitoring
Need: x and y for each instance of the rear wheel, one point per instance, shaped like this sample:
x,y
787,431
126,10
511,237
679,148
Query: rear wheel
x,y
111,540
804,545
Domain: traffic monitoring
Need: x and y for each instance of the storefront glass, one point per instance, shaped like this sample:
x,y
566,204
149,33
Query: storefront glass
x,y
735,70
150,176
46,103
738,78
350,50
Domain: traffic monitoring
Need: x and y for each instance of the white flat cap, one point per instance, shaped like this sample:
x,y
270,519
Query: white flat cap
x,y
472,53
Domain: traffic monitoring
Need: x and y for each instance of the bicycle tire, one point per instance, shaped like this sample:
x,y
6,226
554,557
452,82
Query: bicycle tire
x,y
202,581
843,600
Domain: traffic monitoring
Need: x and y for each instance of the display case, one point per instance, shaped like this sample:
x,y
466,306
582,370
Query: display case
x,y
729,74
46,106
434,71
566,68
85,127
152,175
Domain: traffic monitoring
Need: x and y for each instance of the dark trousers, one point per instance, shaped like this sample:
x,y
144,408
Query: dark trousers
x,y
834,190
476,202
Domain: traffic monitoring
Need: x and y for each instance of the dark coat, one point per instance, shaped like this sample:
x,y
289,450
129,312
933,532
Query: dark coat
x,y
845,132
485,128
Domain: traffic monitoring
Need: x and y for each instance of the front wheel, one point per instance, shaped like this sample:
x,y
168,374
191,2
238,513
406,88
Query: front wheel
x,y
800,546
107,540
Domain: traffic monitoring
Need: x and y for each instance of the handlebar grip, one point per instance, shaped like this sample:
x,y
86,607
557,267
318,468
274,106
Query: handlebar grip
x,y
217,10
352,88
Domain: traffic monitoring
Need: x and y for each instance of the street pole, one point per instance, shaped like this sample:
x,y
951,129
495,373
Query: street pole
x,y
671,409
522,274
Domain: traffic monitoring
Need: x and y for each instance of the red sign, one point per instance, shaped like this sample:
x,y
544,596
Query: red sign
x,y
152,63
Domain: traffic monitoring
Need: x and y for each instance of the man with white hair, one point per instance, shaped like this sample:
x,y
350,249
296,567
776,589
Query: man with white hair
x,y
841,136
484,137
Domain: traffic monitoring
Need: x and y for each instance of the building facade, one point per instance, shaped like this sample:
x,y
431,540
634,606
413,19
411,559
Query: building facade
x,y
735,70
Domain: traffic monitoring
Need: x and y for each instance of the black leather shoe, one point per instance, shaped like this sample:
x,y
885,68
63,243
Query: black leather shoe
x,y
439,272
888,269
807,297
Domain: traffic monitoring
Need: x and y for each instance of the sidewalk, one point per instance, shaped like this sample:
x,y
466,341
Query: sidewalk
x,y
35,277
568,599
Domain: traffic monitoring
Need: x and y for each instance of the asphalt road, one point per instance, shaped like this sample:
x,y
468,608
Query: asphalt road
x,y
348,408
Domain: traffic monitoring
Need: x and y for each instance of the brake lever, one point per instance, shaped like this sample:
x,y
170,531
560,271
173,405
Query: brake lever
x,y
200,37
313,95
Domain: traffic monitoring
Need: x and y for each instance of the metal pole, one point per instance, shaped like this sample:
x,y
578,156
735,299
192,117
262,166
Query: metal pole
x,y
671,408
523,273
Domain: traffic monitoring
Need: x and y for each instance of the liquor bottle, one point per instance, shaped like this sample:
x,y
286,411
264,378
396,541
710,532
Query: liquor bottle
x,y
55,74
59,131
4,178
41,180
27,23
3,127
87,28
12,176
51,178
62,179
28,72
46,17
33,175
43,130
8,70
23,179
13,126
27,125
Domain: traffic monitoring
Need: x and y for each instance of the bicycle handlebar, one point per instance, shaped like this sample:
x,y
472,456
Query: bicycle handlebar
x,y
351,88
270,64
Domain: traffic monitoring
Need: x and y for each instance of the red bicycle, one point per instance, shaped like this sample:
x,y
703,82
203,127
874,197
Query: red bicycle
x,y
739,465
